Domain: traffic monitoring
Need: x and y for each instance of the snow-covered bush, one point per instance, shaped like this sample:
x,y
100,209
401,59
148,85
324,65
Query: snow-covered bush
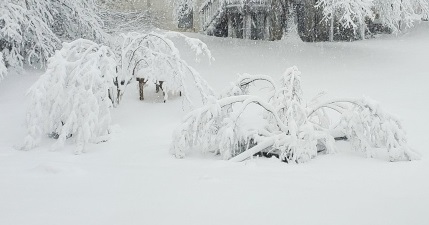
x,y
394,14
399,14
71,99
30,30
154,58
3,69
293,129
349,13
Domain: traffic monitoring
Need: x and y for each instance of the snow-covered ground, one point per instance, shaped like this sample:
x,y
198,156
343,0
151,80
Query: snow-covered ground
x,y
132,179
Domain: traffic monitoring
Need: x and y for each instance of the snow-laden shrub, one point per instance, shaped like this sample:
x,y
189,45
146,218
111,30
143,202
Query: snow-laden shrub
x,y
399,14
30,30
294,129
369,128
393,14
350,14
71,99
3,69
153,57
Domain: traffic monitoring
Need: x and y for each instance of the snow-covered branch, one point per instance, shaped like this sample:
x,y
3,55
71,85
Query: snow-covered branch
x,y
30,30
196,45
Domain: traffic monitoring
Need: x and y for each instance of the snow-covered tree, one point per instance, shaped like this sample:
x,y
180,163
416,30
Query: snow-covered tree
x,y
399,14
25,33
154,58
182,8
72,98
30,30
349,13
394,14
293,129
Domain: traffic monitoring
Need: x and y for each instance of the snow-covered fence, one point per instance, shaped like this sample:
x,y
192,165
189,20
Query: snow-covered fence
x,y
294,130
72,98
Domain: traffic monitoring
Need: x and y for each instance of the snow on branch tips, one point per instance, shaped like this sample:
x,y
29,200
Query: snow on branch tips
x,y
153,58
292,129
72,98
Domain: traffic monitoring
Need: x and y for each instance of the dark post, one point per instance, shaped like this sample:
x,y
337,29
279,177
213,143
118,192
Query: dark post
x,y
142,82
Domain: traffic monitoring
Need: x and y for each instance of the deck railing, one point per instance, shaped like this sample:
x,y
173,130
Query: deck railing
x,y
209,11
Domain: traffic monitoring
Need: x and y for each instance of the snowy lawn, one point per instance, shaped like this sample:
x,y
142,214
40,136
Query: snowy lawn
x,y
133,179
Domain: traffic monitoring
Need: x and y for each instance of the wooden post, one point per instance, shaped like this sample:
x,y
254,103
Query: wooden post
x,y
159,87
142,83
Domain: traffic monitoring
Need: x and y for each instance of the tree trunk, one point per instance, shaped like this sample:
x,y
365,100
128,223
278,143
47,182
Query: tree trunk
x,y
142,83
267,27
362,29
331,29
231,28
402,16
250,152
247,26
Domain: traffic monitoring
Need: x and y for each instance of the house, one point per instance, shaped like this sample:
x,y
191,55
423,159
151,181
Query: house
x,y
247,19
262,19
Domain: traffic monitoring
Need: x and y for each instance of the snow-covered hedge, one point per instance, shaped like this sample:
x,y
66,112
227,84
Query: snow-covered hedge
x,y
71,99
294,129
154,58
